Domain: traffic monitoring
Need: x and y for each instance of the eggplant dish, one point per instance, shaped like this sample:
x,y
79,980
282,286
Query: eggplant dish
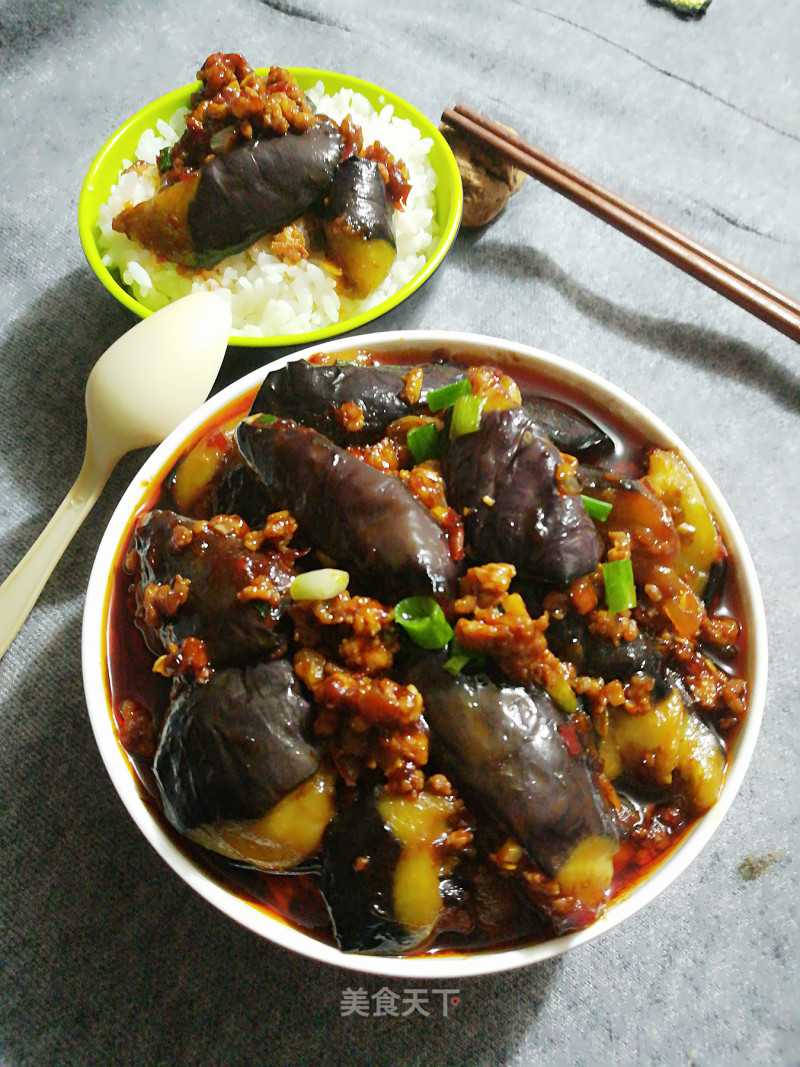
x,y
423,657
255,160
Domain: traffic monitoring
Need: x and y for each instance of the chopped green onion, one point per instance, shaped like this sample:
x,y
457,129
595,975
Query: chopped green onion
x,y
263,607
323,584
439,399
459,658
466,416
620,586
563,694
261,419
456,663
596,509
424,622
424,442
165,160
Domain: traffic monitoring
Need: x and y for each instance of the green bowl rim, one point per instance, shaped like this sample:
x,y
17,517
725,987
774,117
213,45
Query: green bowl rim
x,y
448,178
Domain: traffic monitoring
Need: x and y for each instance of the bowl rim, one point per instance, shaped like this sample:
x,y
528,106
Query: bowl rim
x,y
448,965
448,180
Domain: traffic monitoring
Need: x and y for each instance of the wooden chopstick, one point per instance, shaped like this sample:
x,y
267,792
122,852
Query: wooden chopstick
x,y
761,299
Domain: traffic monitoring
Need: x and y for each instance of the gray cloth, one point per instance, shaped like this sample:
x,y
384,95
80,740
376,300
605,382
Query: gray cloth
x,y
107,957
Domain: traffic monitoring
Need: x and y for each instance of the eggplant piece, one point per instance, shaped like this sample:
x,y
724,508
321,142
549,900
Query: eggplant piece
x,y
701,545
511,748
570,639
662,538
366,522
213,479
312,394
359,233
237,197
502,478
383,878
568,428
668,747
286,836
233,748
239,492
217,567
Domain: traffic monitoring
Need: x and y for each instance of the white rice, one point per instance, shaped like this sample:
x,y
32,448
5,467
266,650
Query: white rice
x,y
268,297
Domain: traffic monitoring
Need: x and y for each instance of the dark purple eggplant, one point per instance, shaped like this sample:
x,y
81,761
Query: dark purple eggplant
x,y
502,478
359,897
206,482
311,395
239,492
511,748
366,522
357,219
231,749
217,566
568,428
237,197
571,639
385,895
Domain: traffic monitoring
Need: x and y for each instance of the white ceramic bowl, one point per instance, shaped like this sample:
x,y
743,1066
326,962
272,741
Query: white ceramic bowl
x,y
254,918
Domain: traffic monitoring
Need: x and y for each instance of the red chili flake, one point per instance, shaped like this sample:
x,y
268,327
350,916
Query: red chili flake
x,y
569,735
217,440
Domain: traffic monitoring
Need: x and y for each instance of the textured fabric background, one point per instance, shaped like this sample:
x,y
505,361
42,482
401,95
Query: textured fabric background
x,y
105,956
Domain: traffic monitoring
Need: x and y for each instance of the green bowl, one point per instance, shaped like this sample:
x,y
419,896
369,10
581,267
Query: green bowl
x,y
121,145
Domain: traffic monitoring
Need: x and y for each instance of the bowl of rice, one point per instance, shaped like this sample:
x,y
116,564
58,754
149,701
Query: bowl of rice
x,y
273,303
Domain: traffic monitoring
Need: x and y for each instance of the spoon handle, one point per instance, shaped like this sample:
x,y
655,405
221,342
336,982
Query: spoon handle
x,y
20,591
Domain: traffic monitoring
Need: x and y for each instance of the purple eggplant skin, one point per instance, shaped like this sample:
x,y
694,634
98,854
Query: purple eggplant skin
x,y
357,197
366,522
217,567
357,219
502,478
231,749
259,188
501,743
238,492
568,428
571,640
311,395
359,896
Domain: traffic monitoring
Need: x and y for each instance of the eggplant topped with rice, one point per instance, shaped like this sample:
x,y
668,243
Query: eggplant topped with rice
x,y
255,160
475,684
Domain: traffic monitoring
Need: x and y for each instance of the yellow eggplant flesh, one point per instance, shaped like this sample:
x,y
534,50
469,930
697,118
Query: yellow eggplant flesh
x,y
359,233
284,837
161,223
587,873
364,263
668,746
700,541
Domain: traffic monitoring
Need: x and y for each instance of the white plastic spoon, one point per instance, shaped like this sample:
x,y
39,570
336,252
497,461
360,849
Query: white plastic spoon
x,y
139,390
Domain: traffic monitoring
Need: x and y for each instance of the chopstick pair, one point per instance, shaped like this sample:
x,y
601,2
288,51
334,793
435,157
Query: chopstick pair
x,y
753,294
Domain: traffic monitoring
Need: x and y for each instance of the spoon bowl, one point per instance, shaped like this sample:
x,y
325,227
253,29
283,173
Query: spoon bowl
x,y
140,389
